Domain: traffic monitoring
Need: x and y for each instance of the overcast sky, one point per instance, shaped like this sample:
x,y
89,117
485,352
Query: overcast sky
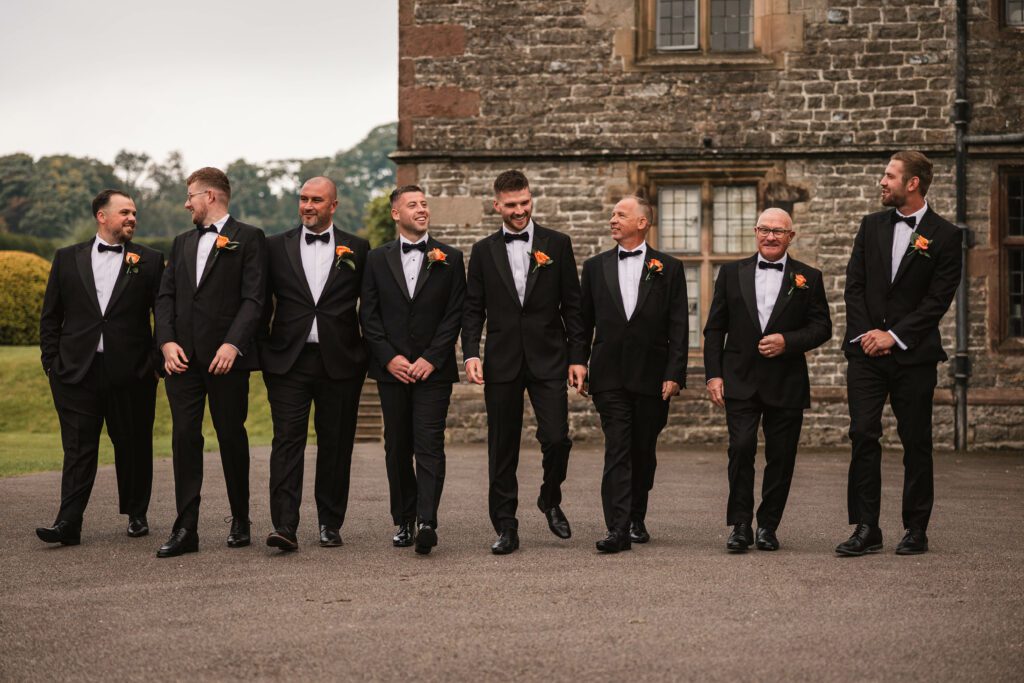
x,y
218,80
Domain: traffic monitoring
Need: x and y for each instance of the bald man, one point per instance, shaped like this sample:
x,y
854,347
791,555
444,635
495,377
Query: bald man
x,y
313,354
768,310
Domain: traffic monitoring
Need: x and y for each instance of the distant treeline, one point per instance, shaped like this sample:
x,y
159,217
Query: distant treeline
x,y
45,204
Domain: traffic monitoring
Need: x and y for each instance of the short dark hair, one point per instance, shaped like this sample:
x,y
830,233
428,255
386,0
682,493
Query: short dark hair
x,y
404,189
101,200
212,178
511,181
915,165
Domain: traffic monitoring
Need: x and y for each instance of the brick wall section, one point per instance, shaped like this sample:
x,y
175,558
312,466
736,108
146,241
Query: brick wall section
x,y
531,78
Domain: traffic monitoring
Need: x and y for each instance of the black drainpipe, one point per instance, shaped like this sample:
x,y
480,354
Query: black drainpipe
x,y
961,117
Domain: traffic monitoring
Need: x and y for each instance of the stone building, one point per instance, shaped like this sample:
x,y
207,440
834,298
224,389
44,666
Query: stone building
x,y
720,108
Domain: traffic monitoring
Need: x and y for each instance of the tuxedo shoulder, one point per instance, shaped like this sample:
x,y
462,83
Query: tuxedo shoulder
x,y
551,234
378,252
667,260
355,240
247,228
148,251
282,236
804,267
447,249
942,223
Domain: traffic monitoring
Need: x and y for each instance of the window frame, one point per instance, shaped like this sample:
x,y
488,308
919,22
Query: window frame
x,y
1000,12
1003,243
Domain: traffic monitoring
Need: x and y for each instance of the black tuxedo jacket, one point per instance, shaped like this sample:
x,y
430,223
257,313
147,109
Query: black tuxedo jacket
x,y
546,329
733,331
650,348
426,324
292,309
226,307
913,303
71,321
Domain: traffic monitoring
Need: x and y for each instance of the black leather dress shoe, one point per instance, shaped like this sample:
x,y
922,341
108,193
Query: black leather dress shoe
x,y
557,522
239,535
741,538
138,526
404,536
914,542
181,541
865,539
283,540
614,542
330,538
508,541
62,532
766,539
426,538
638,532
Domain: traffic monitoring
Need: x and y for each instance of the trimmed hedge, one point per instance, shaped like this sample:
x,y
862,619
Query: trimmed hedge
x,y
34,245
22,286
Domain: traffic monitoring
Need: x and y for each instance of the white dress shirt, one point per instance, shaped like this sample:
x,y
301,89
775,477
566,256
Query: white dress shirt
x,y
519,257
411,262
317,261
206,242
630,271
767,283
105,267
901,238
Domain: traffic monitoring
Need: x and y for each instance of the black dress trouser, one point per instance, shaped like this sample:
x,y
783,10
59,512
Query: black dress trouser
x,y
128,411
337,407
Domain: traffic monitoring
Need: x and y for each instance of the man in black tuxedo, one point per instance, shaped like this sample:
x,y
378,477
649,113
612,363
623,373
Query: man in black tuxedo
x,y
523,282
768,310
208,312
902,275
411,310
314,354
97,349
635,310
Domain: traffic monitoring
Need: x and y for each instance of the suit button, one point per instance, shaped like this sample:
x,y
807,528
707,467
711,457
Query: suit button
x,y
104,318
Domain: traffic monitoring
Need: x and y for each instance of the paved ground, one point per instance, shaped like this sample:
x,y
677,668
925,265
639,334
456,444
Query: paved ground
x,y
678,608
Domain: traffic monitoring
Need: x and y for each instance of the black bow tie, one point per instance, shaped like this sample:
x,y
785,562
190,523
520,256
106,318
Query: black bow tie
x,y
626,254
512,237
202,231
106,247
419,246
765,265
324,237
909,220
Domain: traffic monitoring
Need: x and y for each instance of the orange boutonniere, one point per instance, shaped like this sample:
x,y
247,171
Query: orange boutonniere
x,y
654,268
797,281
344,255
224,244
920,244
435,255
540,260
132,261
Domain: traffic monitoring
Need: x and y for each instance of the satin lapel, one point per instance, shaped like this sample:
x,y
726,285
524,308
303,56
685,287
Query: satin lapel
x,y
394,259
610,264
229,231
887,233
121,283
292,247
784,297
925,228
645,282
747,289
424,275
83,259
339,240
540,243
500,256
191,254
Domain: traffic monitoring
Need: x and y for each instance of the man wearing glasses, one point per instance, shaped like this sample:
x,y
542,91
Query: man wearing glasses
x,y
207,314
768,310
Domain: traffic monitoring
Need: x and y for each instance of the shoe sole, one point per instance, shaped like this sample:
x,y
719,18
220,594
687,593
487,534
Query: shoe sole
x,y
62,541
609,551
511,550
281,543
138,534
332,544
240,544
870,550
640,540
904,551
401,544
425,540
769,548
190,549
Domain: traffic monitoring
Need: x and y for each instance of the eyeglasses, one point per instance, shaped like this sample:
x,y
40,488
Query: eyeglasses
x,y
190,195
777,233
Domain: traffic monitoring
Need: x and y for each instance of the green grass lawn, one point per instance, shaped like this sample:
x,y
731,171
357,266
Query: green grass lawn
x,y
30,432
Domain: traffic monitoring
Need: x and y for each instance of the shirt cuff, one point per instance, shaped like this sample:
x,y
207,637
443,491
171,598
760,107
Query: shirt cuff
x,y
708,380
469,359
857,338
899,342
235,348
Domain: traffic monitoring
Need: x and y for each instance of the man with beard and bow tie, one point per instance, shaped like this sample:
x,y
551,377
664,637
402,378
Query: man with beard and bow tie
x,y
767,312
900,281
523,282
313,355
208,312
635,313
411,311
97,349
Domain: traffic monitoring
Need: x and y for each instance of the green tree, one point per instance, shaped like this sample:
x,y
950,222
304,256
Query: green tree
x,y
15,180
60,194
378,226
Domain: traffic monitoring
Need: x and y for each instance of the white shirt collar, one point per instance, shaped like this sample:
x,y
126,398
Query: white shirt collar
x,y
403,240
919,214
328,231
642,248
785,257
528,230
220,224
100,240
